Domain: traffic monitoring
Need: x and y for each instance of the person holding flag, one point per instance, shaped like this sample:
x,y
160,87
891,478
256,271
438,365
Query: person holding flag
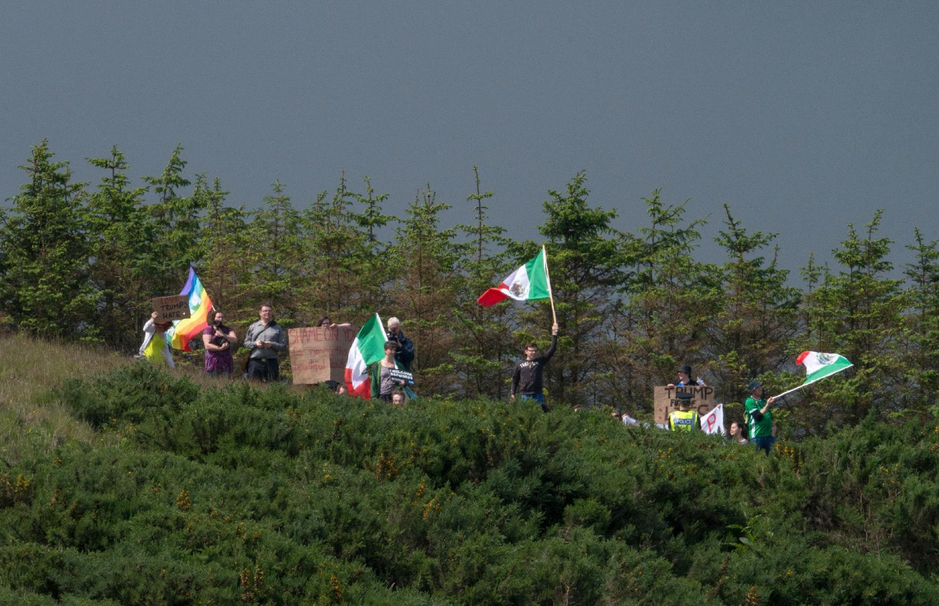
x,y
759,417
527,380
530,282
369,350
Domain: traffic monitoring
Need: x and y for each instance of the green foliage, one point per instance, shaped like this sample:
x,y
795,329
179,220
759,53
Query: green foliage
x,y
271,496
751,333
483,345
122,248
671,301
586,265
423,291
857,312
44,286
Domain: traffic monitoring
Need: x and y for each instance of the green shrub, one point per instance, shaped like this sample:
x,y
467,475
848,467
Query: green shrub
x,y
237,495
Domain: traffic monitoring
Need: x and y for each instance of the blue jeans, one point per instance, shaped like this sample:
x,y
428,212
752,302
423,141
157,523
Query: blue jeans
x,y
764,443
537,397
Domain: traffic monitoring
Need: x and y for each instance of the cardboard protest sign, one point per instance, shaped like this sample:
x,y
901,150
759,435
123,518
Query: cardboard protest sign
x,y
319,354
666,400
171,308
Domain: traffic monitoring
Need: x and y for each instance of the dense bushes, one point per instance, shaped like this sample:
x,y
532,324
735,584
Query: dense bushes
x,y
279,497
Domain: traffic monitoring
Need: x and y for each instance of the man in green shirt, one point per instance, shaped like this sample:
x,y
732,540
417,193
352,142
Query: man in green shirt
x,y
759,418
684,419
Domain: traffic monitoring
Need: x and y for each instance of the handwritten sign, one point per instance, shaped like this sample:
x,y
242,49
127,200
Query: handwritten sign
x,y
319,354
171,308
666,400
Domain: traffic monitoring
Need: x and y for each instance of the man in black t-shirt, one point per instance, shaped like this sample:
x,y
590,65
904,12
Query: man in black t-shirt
x,y
527,379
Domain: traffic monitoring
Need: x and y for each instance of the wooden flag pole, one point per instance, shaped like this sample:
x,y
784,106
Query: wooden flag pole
x,y
547,275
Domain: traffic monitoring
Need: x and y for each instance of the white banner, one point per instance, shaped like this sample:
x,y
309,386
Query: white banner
x,y
713,422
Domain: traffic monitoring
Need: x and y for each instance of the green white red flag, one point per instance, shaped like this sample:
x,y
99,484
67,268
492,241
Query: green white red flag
x,y
368,348
819,365
527,283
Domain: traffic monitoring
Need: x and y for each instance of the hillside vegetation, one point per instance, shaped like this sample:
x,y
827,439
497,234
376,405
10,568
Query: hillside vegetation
x,y
166,491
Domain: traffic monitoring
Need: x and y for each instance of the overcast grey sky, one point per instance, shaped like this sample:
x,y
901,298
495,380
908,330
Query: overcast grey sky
x,y
803,116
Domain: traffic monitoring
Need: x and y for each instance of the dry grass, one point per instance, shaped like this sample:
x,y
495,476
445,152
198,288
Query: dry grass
x,y
30,419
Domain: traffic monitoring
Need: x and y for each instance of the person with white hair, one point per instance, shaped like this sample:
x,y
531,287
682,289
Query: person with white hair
x,y
405,354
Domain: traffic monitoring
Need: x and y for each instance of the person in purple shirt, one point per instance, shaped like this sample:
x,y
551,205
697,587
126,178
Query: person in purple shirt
x,y
218,340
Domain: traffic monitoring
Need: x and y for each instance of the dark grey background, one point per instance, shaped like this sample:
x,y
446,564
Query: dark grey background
x,y
803,116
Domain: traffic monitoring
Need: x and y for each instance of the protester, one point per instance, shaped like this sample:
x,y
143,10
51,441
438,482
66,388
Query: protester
x,y
405,354
154,346
398,398
382,383
527,378
265,339
684,419
737,434
325,322
684,378
759,418
218,340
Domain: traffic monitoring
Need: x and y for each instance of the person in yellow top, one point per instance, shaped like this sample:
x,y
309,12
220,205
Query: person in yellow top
x,y
684,419
155,347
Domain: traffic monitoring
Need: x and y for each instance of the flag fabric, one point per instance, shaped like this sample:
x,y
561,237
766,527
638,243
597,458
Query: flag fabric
x,y
368,348
200,305
820,365
713,422
527,283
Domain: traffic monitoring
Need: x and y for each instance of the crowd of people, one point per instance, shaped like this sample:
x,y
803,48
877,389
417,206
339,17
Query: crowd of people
x,y
266,339
759,429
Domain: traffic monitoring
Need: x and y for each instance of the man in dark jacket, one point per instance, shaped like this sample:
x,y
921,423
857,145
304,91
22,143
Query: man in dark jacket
x,y
527,379
405,353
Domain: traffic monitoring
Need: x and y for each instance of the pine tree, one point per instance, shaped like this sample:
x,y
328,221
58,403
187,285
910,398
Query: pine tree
x,y
274,240
423,293
922,321
122,234
585,260
856,312
348,264
483,344
758,317
45,288
179,242
668,305
225,272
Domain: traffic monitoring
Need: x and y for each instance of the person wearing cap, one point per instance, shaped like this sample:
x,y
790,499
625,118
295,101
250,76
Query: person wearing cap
x,y
684,378
684,419
759,418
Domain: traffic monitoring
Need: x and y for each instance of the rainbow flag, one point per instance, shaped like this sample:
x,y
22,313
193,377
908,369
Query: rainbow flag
x,y
199,307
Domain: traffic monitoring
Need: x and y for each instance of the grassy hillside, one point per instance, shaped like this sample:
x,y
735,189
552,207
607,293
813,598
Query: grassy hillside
x,y
149,488
30,420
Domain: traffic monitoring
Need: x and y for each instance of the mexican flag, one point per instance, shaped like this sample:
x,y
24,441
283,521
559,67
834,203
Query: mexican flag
x,y
820,365
527,283
368,348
